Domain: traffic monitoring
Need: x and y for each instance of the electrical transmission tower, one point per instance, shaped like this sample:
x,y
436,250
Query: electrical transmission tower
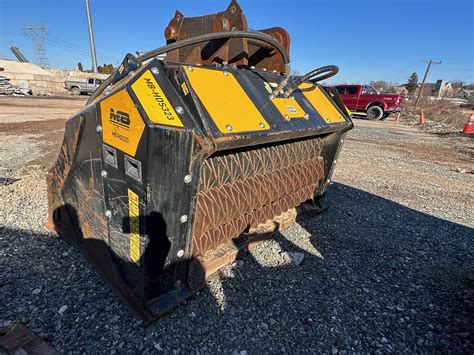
x,y
37,35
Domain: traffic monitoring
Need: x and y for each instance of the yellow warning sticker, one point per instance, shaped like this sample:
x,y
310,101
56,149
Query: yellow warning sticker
x,y
185,88
122,124
154,101
134,215
289,108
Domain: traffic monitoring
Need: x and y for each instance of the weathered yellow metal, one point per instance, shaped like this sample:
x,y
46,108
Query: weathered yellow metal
x,y
321,103
121,122
154,101
227,103
289,108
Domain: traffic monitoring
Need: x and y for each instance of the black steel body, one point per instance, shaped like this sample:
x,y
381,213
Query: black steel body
x,y
88,186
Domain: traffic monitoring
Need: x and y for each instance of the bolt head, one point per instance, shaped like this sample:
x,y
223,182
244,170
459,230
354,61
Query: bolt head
x,y
131,73
228,127
155,70
226,73
103,173
180,253
306,116
179,110
183,218
98,129
190,68
262,124
225,62
252,67
287,117
108,213
187,179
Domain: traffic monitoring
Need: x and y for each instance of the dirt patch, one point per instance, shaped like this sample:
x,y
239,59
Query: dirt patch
x,y
32,130
32,126
23,109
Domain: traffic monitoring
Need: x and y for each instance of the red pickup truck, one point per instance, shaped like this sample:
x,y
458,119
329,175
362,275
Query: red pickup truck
x,y
364,98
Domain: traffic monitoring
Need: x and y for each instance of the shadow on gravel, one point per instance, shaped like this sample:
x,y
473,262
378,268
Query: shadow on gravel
x,y
385,277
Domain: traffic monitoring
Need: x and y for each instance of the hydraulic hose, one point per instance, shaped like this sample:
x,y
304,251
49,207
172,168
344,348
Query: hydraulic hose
x,y
330,71
256,36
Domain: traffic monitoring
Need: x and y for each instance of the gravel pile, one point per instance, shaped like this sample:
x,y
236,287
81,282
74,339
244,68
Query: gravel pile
x,y
386,269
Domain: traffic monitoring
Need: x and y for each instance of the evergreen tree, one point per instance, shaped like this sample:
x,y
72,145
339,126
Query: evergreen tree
x,y
412,83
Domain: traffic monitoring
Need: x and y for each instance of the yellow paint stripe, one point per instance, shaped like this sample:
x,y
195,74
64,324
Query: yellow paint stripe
x,y
134,215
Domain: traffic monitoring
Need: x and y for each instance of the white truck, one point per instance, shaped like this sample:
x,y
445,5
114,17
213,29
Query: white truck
x,y
78,87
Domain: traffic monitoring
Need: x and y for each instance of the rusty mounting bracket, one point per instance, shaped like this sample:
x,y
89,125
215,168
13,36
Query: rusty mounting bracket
x,y
236,51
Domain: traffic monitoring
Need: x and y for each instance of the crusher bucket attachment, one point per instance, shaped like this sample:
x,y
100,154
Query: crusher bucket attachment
x,y
177,164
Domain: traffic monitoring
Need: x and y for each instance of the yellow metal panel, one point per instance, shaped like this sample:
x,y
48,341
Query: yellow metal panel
x,y
154,101
121,122
321,103
289,108
134,214
228,105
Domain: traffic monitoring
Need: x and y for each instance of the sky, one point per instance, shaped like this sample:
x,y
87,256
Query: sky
x,y
368,39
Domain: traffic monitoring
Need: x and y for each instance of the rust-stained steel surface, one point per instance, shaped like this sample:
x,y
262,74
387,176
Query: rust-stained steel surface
x,y
18,339
238,52
243,189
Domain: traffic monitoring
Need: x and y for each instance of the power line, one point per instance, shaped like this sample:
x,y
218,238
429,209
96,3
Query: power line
x,y
37,35
72,51
61,42
463,57
406,68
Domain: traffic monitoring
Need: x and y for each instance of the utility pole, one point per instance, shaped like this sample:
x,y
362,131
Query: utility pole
x,y
91,38
424,77
38,36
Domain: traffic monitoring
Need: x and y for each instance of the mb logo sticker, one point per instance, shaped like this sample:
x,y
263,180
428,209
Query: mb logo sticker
x,y
122,123
120,118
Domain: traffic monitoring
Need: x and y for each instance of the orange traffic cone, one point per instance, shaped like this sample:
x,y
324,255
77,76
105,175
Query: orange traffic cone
x,y
422,117
468,126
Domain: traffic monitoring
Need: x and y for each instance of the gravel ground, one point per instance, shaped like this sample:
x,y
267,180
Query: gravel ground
x,y
389,268
429,126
